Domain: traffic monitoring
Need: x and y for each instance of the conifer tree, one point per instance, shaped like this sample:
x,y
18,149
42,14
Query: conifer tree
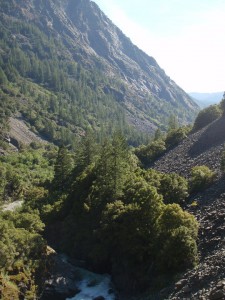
x,y
113,166
62,168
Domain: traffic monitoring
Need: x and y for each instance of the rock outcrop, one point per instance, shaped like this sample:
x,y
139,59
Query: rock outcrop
x,y
61,281
20,133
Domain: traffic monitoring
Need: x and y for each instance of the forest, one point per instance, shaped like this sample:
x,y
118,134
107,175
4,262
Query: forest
x,y
90,191
97,191
109,208
44,80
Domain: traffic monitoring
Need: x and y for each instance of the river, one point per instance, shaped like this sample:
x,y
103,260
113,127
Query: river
x,y
90,285
94,286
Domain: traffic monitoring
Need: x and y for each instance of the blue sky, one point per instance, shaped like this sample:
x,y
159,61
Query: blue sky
x,y
186,37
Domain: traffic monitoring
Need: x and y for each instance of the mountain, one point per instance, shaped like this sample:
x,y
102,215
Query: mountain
x,y
206,99
67,68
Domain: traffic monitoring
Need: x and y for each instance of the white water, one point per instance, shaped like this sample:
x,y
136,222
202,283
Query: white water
x,y
93,285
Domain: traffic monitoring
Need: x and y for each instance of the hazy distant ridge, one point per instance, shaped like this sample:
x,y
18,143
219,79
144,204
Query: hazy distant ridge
x,y
206,99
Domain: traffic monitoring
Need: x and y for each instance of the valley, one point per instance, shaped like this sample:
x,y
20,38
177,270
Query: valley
x,y
112,179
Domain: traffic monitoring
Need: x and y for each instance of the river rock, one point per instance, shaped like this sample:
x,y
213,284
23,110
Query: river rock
x,y
61,282
217,294
180,284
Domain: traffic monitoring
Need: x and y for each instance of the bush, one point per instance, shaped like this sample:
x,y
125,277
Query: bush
x,y
206,116
22,251
201,177
173,188
175,136
177,239
149,153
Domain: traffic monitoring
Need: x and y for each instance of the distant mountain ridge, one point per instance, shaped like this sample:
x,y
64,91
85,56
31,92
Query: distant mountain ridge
x,y
206,99
77,33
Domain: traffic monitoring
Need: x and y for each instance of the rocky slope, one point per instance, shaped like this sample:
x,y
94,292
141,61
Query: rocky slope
x,y
20,133
207,281
201,148
135,80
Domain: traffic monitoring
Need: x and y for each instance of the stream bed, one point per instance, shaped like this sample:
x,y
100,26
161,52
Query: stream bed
x,y
68,281
94,286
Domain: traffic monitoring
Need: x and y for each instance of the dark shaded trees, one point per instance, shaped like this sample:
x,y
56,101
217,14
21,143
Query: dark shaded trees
x,y
62,169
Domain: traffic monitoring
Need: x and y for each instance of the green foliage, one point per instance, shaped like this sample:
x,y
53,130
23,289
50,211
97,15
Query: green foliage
x,y
149,153
206,116
158,135
3,78
174,188
62,169
21,171
143,232
85,153
116,205
176,227
201,177
63,99
173,122
111,214
21,253
128,228
112,167
175,136
22,248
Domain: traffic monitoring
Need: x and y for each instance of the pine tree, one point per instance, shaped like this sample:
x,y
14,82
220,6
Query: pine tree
x,y
172,123
3,78
86,152
62,168
113,166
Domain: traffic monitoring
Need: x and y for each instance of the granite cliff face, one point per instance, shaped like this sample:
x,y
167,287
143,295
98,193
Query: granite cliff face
x,y
135,80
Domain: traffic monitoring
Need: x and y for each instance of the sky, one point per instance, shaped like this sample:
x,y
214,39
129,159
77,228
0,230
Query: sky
x,y
186,37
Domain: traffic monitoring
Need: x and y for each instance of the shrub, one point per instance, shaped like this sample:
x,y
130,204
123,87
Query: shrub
x,y
177,239
175,136
201,177
173,187
206,116
152,151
